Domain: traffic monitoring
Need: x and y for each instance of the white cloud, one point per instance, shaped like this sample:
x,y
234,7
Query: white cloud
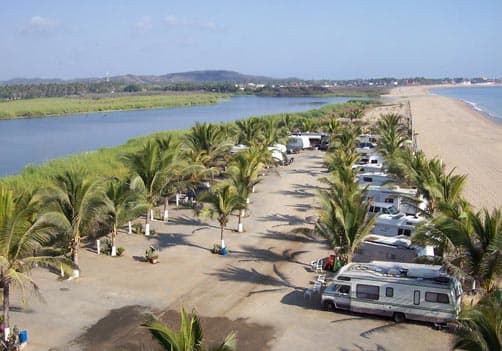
x,y
39,24
177,22
144,24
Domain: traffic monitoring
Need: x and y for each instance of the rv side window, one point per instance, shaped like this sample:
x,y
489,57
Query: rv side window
x,y
389,292
342,277
436,297
389,200
374,161
367,291
367,179
372,209
416,297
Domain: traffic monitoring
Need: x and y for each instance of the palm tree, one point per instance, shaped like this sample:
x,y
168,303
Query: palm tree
x,y
206,144
243,174
355,114
223,201
152,165
392,135
23,232
250,131
189,337
124,202
343,218
470,242
78,200
479,328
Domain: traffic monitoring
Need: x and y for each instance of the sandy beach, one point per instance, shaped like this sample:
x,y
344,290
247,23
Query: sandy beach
x,y
257,290
462,137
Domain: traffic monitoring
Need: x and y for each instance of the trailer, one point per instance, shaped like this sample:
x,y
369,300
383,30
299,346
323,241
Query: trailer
x,y
398,290
406,200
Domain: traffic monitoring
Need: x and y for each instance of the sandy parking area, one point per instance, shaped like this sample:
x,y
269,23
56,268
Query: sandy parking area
x,y
256,290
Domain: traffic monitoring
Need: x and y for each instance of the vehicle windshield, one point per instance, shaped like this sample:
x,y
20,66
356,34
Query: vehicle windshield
x,y
392,210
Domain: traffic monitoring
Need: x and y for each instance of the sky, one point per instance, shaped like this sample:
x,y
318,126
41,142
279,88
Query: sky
x,y
323,39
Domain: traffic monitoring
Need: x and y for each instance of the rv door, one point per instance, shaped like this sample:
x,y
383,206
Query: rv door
x,y
342,296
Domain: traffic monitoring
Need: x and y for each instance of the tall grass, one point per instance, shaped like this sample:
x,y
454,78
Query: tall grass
x,y
66,105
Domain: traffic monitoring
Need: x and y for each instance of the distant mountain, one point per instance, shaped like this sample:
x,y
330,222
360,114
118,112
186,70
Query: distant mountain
x,y
25,81
208,76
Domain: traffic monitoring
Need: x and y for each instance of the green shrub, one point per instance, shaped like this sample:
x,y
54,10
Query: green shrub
x,y
120,251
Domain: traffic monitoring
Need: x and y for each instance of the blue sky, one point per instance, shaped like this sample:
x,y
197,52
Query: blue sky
x,y
324,39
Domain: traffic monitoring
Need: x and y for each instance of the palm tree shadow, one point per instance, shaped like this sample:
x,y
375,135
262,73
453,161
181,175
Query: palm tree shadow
x,y
285,218
300,193
294,236
383,328
163,241
238,274
360,348
252,253
298,298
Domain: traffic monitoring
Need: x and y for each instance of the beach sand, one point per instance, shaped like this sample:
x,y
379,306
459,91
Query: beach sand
x,y
462,137
257,290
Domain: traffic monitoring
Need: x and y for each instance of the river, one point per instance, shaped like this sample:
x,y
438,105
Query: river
x,y
37,140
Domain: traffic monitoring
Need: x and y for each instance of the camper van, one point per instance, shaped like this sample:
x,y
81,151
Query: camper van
x,y
405,200
374,178
392,249
398,290
297,143
396,224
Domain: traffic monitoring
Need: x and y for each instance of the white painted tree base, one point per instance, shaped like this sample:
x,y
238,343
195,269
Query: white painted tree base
x,y
240,228
147,229
114,251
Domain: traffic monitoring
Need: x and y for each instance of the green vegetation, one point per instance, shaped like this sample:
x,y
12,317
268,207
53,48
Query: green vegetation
x,y
190,336
66,105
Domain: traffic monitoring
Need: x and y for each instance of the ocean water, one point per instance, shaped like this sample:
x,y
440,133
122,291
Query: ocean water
x,y
486,99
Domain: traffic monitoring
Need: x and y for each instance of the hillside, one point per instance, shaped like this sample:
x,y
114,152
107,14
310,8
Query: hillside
x,y
206,76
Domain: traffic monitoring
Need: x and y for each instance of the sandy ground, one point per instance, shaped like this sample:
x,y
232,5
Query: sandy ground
x,y
462,137
257,290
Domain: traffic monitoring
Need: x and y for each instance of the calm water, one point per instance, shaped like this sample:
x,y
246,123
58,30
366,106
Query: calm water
x,y
486,99
35,140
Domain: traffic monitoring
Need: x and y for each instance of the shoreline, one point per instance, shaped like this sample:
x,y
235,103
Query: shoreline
x,y
472,105
467,140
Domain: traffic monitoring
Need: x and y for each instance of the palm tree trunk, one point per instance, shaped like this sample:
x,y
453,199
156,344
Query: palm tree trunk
x,y
114,238
6,303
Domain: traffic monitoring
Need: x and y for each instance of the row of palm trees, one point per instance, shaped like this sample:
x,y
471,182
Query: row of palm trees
x,y
47,226
467,241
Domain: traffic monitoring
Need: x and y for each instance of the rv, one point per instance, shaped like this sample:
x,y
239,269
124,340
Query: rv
x,y
365,148
392,249
397,224
297,143
398,290
375,178
405,200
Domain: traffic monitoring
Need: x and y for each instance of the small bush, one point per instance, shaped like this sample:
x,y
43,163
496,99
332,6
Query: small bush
x,y
138,228
120,251
216,249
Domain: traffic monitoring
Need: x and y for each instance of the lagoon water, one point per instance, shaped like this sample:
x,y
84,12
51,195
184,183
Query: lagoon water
x,y
36,140
486,99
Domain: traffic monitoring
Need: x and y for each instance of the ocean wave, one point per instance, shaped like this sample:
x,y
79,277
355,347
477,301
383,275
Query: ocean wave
x,y
478,108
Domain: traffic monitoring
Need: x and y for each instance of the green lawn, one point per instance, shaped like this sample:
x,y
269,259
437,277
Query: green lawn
x,y
61,106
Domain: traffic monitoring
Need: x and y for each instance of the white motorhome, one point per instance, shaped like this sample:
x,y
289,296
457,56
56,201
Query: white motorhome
x,y
374,178
404,199
392,249
297,142
398,224
398,290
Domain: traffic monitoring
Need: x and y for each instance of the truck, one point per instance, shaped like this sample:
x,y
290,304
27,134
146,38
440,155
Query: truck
x,y
399,290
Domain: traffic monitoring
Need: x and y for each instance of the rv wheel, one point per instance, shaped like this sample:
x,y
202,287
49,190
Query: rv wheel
x,y
399,317
329,305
